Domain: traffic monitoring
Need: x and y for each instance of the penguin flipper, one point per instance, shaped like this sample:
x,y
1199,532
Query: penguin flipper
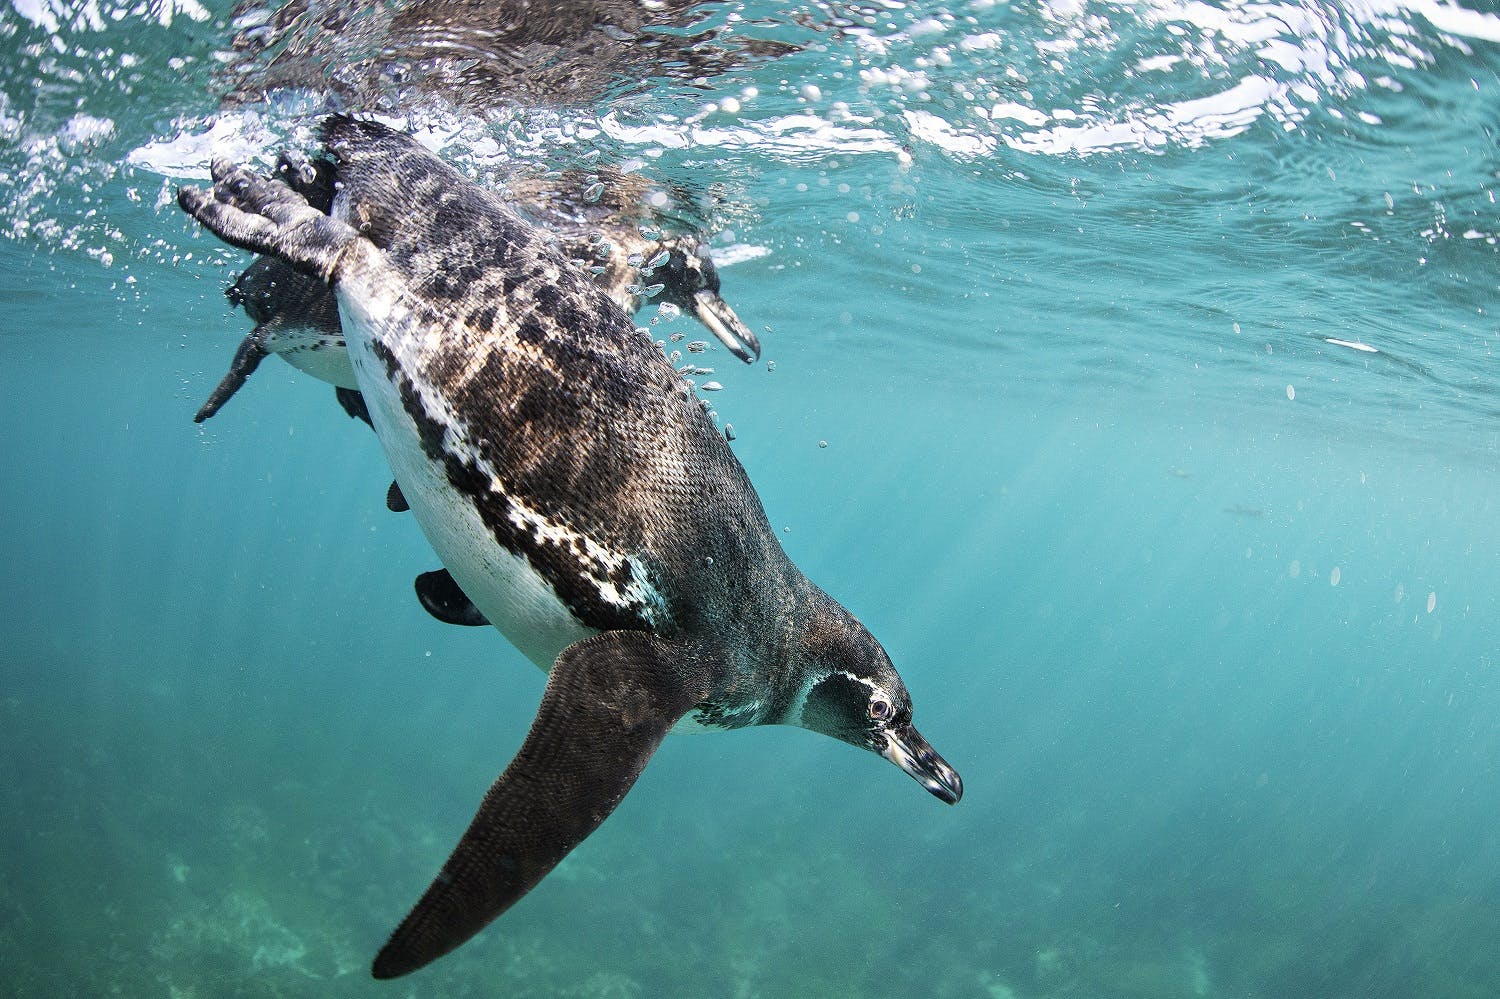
x,y
610,700
445,600
246,359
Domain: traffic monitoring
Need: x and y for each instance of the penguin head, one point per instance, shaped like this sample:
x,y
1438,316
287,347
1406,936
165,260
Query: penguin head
x,y
690,281
853,693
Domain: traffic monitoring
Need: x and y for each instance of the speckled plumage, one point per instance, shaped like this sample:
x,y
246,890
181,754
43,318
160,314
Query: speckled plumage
x,y
578,493
297,317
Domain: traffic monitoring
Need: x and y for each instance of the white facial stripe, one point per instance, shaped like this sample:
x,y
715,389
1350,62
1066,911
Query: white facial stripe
x,y
800,705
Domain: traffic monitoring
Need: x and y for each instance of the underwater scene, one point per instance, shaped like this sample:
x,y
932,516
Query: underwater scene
x,y
1127,368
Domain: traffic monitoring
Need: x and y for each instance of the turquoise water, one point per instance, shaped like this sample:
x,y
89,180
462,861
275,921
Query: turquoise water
x,y
1152,346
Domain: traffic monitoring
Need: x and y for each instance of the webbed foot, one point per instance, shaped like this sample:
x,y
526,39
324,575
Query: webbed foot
x,y
266,216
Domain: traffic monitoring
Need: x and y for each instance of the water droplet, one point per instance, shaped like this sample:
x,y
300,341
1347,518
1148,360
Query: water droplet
x,y
593,192
652,290
656,261
1291,393
1335,576
650,230
822,443
1432,601
770,365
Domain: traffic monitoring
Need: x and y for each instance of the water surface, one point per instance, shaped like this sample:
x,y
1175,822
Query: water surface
x,y
1134,381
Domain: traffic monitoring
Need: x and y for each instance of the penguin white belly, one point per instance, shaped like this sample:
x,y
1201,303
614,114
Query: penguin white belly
x,y
325,358
513,596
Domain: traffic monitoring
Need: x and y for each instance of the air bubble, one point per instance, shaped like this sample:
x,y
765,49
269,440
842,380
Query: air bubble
x,y
711,387
593,192
822,443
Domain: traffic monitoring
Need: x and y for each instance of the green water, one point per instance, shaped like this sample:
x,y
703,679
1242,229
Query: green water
x,y
1160,452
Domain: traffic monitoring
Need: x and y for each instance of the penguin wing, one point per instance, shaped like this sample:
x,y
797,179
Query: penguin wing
x,y
246,359
610,700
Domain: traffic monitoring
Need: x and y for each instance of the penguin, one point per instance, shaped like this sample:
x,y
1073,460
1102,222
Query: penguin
x,y
612,233
578,492
297,318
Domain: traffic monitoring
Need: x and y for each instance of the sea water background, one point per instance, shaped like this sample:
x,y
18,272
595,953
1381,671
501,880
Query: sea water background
x,y
1198,597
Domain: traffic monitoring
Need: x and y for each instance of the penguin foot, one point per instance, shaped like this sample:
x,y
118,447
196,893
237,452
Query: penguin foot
x,y
395,500
266,216
443,599
353,403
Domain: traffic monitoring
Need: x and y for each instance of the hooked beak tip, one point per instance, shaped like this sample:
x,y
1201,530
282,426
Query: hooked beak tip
x,y
912,753
715,313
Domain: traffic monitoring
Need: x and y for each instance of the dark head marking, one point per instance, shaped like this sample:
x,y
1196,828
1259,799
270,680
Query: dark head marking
x,y
854,694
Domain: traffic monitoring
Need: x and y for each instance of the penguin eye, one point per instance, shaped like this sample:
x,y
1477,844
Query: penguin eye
x,y
880,709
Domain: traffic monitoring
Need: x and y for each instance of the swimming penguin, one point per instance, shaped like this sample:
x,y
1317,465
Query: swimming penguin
x,y
578,492
613,233
297,318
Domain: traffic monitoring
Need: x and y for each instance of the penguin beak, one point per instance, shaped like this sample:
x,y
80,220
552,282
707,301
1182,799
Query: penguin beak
x,y
713,312
906,748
